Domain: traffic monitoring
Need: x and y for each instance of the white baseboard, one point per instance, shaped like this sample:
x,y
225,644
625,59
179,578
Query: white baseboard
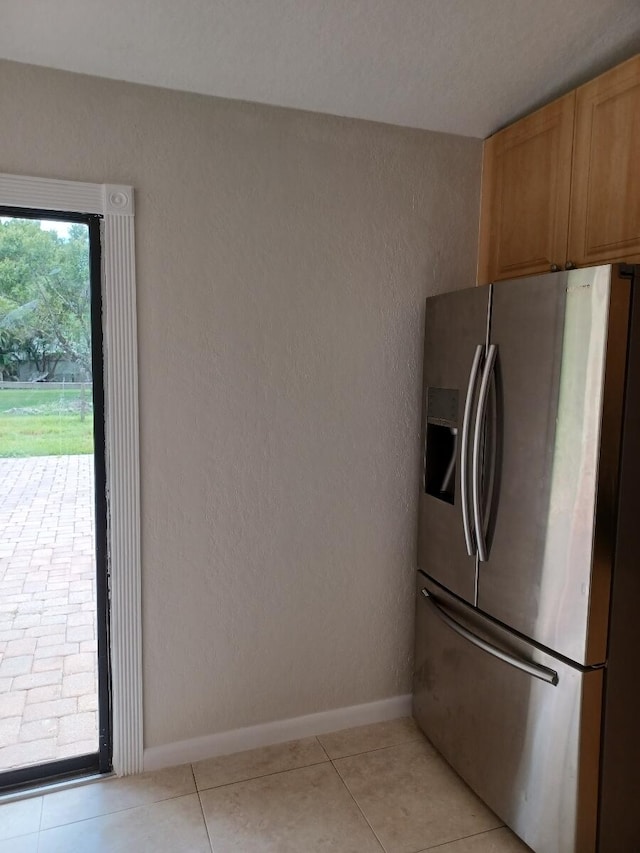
x,y
251,737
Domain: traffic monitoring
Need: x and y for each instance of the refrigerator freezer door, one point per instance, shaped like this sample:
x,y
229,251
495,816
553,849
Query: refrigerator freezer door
x,y
455,338
548,570
526,742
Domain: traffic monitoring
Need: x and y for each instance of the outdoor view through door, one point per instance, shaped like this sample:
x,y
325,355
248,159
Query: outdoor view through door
x,y
54,680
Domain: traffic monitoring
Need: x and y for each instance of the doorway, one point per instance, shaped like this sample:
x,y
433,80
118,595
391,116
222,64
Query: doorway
x,y
55,716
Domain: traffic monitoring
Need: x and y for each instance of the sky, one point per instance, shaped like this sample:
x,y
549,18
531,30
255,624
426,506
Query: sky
x,y
61,228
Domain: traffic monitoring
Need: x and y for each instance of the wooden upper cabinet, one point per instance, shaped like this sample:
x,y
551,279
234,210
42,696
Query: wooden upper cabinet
x,y
605,205
526,184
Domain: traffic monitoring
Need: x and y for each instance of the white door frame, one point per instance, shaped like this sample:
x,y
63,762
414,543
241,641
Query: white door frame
x,y
115,204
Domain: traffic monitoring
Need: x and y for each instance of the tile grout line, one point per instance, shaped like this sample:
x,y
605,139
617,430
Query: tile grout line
x,y
263,775
320,744
206,825
377,748
40,829
116,811
328,759
357,805
421,849
463,838
121,811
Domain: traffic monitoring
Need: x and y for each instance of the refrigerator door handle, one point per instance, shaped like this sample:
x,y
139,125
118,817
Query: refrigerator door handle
x,y
476,473
464,451
533,669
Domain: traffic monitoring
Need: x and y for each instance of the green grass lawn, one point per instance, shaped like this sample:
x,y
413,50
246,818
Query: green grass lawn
x,y
45,422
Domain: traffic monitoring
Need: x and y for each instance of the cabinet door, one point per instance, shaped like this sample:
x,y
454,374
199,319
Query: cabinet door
x,y
525,194
605,206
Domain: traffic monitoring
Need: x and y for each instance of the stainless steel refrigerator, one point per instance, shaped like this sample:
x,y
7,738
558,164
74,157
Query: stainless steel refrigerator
x,y
527,660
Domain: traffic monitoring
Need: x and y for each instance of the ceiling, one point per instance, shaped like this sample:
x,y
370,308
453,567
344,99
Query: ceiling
x,y
462,66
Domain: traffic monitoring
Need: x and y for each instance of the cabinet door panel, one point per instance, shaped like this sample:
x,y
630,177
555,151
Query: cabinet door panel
x,y
526,186
605,209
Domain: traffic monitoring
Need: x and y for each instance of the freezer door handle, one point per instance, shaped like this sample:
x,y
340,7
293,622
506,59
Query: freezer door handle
x,y
533,669
476,472
464,451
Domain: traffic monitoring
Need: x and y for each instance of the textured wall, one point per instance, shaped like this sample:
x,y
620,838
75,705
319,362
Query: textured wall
x,y
283,259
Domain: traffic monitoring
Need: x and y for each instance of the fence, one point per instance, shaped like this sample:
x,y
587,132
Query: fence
x,y
49,386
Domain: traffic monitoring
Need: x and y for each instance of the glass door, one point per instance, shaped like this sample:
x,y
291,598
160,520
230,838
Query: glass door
x,y
54,665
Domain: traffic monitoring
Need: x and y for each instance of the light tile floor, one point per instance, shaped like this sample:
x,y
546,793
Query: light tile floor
x,y
374,788
48,660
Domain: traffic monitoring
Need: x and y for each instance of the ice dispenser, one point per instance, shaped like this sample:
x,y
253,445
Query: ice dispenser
x,y
441,443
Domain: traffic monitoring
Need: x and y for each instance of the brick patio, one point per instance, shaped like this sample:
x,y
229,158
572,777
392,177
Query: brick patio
x,y
48,664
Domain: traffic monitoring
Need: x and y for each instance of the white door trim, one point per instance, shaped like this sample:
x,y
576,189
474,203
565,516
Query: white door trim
x,y
115,204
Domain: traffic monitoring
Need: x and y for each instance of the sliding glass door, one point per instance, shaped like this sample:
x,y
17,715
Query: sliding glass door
x,y
54,664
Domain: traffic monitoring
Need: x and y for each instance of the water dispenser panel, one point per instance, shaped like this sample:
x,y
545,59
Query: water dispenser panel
x,y
442,406
441,443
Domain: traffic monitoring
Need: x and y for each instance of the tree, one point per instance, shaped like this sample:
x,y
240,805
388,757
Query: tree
x,y
44,297
9,358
